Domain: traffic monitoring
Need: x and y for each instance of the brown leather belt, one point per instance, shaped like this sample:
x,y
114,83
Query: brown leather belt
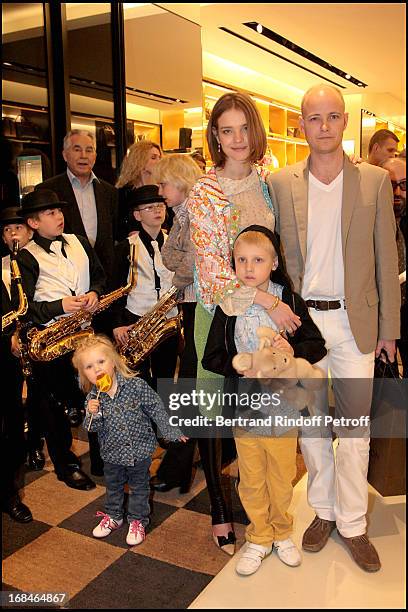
x,y
325,304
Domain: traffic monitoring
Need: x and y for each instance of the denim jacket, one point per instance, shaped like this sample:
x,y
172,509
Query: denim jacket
x,y
123,424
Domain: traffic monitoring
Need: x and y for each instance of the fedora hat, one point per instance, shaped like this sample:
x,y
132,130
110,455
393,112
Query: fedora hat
x,y
12,214
147,194
40,199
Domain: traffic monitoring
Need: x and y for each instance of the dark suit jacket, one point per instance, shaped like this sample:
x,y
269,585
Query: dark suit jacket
x,y
106,198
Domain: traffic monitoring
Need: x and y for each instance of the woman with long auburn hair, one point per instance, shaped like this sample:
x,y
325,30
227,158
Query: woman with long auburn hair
x,y
230,197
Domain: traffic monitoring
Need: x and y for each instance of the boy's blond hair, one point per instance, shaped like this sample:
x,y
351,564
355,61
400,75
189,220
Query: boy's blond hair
x,y
104,343
256,238
179,170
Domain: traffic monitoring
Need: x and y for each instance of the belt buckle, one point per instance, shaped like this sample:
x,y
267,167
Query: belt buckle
x,y
319,305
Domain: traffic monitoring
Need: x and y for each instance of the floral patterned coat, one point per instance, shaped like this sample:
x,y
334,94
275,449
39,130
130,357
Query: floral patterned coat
x,y
214,225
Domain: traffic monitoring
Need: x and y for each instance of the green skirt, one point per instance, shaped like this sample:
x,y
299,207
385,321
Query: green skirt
x,y
206,381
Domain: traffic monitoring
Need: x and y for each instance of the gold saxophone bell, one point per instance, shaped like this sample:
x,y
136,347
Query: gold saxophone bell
x,y
13,315
152,329
65,334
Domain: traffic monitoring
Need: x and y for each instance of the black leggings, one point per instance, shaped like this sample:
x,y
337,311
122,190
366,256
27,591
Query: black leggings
x,y
211,459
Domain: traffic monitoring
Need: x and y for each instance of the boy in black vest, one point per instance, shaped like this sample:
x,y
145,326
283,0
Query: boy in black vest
x,y
12,416
61,275
153,280
14,228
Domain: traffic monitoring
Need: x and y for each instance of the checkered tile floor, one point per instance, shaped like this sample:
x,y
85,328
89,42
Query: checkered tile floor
x,y
57,553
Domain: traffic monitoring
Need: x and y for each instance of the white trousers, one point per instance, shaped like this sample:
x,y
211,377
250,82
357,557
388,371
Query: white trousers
x,y
337,485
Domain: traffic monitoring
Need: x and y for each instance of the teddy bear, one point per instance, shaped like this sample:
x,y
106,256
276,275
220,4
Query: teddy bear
x,y
294,377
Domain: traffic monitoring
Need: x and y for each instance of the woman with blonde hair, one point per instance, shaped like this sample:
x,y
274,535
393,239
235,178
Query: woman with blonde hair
x,y
136,170
175,174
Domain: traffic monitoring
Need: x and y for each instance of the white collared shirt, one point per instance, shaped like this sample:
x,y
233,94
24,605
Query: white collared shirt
x,y
143,297
85,197
59,275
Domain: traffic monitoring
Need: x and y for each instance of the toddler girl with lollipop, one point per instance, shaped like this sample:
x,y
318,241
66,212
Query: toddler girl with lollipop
x,y
121,416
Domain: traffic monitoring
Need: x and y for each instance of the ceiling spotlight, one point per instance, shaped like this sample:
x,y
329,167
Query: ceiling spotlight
x,y
259,28
347,76
360,85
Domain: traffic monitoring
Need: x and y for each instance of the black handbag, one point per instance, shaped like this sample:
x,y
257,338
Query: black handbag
x,y
384,368
386,471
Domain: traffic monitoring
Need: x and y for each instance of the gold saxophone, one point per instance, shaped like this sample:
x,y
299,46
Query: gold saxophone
x,y
152,329
64,335
11,316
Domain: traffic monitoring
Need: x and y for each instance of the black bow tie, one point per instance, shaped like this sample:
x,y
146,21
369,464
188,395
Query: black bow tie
x,y
62,241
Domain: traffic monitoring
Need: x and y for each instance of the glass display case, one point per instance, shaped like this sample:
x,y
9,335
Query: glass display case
x,y
29,171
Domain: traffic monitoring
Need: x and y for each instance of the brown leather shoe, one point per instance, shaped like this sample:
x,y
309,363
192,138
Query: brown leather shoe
x,y
363,552
317,534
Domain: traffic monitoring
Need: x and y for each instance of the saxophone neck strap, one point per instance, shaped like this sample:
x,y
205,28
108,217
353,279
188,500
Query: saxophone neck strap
x,y
147,241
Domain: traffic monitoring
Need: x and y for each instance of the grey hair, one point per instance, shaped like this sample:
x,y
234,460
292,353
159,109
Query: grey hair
x,y
67,138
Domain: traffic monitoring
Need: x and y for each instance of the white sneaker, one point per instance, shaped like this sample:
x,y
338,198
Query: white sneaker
x,y
251,558
136,533
106,526
288,552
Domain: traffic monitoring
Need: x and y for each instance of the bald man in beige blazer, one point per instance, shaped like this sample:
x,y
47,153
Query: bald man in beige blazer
x,y
337,230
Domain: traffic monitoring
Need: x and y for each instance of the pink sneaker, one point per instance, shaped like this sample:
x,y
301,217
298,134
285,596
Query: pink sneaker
x,y
106,526
136,533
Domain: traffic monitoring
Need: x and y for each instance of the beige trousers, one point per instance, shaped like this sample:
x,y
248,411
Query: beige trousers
x,y
267,467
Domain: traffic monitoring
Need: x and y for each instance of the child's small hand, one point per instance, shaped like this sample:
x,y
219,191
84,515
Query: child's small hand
x,y
72,303
90,301
279,342
93,406
183,439
121,334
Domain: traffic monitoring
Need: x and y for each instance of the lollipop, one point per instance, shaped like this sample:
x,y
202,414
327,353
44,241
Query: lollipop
x,y
103,383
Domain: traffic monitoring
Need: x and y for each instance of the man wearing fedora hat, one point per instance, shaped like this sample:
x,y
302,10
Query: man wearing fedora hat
x,y
153,279
93,203
61,275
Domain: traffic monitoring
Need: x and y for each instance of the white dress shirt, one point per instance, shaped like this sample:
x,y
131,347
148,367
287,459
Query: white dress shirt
x,y
85,198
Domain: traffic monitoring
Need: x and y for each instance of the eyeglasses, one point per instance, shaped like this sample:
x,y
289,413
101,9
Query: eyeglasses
x,y
152,207
402,184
